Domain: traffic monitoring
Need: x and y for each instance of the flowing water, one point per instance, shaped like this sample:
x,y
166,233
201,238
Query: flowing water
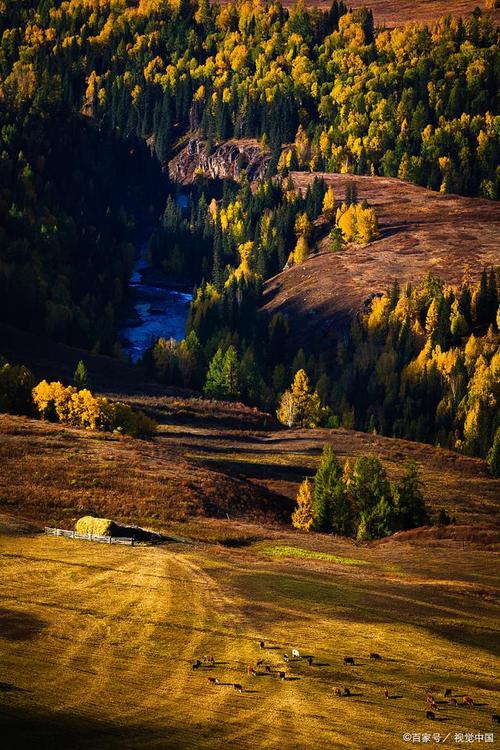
x,y
156,311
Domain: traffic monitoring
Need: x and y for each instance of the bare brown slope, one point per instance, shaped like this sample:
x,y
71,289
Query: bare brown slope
x,y
420,231
390,13
53,474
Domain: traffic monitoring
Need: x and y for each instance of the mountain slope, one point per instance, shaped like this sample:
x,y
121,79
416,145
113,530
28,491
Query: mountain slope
x,y
420,231
389,13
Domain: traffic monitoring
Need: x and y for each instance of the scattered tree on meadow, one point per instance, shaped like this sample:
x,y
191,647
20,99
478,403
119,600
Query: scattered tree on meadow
x,y
81,378
223,376
300,406
409,503
360,501
302,517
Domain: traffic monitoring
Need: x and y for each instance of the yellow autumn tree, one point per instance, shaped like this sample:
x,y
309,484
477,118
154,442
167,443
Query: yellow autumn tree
x,y
302,517
301,252
52,400
366,224
300,406
303,226
84,410
329,204
346,221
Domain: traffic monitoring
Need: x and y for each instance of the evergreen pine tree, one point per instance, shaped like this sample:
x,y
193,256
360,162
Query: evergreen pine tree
x,y
328,475
81,378
371,495
410,510
214,383
231,373
494,455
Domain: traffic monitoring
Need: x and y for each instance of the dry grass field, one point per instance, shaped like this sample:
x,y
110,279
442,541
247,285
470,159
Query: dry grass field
x,y
390,13
97,643
53,474
420,231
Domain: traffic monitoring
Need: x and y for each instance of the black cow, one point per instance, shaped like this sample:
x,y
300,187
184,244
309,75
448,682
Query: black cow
x,y
430,715
349,660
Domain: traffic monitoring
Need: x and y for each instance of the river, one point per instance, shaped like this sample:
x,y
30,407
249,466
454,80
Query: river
x,y
155,310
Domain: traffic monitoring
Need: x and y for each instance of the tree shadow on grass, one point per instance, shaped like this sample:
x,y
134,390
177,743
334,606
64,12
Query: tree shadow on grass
x,y
19,626
9,687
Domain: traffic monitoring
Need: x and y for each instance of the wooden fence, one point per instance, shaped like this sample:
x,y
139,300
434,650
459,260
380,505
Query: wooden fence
x,y
89,537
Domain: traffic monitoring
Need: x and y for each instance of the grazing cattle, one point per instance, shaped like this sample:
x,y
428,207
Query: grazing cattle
x,y
262,644
238,687
211,660
260,662
386,693
495,718
375,656
433,705
347,691
285,657
282,676
250,669
268,668
309,660
468,700
349,660
295,653
430,698
337,691
212,680
430,715
197,664
447,692
453,701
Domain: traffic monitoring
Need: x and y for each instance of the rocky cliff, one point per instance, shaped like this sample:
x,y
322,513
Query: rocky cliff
x,y
226,161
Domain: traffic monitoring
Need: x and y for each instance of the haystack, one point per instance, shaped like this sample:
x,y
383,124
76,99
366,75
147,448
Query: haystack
x,y
97,526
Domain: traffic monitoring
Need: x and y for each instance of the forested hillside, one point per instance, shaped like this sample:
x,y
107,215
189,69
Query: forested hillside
x,y
94,97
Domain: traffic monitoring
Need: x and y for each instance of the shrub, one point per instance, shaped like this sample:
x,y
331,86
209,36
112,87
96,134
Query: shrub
x,y
16,385
66,404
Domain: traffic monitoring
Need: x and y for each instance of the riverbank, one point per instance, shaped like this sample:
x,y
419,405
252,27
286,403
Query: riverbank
x,y
159,307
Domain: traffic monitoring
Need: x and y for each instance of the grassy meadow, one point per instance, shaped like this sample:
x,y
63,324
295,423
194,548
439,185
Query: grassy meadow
x,y
97,643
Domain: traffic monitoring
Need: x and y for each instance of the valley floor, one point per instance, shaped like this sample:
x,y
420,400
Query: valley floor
x,y
97,643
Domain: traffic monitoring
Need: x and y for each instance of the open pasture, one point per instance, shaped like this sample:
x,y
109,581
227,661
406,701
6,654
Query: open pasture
x,y
97,643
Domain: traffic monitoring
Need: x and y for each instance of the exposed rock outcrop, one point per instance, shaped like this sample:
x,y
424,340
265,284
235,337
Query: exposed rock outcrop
x,y
226,161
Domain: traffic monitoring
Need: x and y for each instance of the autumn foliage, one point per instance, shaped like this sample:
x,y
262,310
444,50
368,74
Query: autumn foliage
x,y
66,404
